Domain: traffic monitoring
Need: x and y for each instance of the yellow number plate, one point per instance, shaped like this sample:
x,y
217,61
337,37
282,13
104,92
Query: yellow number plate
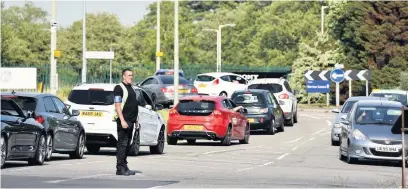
x,y
193,127
183,90
251,120
93,114
202,85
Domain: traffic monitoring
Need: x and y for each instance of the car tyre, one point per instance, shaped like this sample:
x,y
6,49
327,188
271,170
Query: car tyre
x,y
135,146
271,129
341,157
40,153
290,122
246,137
224,94
171,141
226,141
3,150
350,160
282,126
50,147
80,148
295,118
191,141
334,143
159,148
93,149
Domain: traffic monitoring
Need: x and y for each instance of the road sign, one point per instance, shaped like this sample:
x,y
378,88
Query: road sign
x,y
159,54
318,86
57,53
18,78
337,75
317,75
357,75
99,55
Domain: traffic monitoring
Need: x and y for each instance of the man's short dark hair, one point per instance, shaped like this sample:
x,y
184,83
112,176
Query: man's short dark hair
x,y
125,70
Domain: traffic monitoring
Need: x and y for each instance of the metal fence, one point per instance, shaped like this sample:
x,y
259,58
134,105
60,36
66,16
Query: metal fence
x,y
69,76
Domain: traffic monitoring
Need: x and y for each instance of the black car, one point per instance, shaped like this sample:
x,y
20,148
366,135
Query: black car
x,y
264,112
22,138
66,133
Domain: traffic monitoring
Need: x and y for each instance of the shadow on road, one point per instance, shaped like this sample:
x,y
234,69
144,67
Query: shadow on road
x,y
378,163
113,153
203,143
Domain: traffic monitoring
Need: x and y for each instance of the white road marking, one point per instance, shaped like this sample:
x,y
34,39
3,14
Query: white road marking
x,y
76,178
155,187
294,140
311,116
304,142
265,164
319,131
89,162
282,156
232,150
325,133
18,169
329,123
293,149
244,169
312,138
193,154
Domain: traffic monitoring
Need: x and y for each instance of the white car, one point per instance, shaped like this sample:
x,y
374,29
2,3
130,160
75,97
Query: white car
x,y
219,83
397,95
96,106
283,93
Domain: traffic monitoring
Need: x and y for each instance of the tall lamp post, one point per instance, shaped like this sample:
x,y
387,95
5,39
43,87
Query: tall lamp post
x,y
176,53
219,43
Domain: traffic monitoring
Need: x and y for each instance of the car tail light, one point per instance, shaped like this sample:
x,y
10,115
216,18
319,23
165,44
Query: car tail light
x,y
262,120
194,90
173,112
167,90
217,113
284,96
39,119
216,82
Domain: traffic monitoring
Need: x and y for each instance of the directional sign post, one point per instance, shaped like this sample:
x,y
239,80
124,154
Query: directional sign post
x,y
318,86
337,76
358,75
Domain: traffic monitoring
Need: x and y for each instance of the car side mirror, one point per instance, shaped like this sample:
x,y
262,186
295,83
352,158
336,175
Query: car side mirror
x,y
75,113
345,122
335,110
245,110
159,107
148,107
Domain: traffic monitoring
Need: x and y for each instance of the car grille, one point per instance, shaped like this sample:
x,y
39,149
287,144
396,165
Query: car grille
x,y
395,142
385,154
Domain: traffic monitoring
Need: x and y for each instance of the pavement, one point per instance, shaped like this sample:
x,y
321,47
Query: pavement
x,y
301,156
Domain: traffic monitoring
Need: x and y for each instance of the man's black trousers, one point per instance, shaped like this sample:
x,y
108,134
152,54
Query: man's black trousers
x,y
123,146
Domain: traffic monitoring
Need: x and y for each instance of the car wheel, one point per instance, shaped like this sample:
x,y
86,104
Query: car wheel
x,y
134,148
191,141
50,147
282,126
350,160
79,150
334,143
171,141
247,134
271,129
40,153
341,157
159,148
93,149
290,122
3,150
295,118
223,94
226,141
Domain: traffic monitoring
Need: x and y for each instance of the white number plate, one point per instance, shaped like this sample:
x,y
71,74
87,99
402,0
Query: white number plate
x,y
386,148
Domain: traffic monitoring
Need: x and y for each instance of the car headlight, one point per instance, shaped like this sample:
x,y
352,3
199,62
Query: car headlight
x,y
262,111
337,125
359,135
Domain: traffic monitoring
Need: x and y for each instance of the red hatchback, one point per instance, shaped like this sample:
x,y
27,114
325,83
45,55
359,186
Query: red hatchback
x,y
207,117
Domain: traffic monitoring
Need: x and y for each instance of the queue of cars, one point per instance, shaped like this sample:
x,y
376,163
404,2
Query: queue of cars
x,y
363,129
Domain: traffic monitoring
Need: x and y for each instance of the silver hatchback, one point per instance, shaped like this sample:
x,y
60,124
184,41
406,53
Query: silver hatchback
x,y
366,132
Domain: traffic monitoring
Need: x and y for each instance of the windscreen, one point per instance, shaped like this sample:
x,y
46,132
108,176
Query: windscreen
x,y
273,88
248,99
170,81
91,97
347,106
394,97
377,115
195,108
169,73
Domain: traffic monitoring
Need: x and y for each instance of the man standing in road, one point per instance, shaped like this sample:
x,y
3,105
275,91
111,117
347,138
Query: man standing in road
x,y
126,114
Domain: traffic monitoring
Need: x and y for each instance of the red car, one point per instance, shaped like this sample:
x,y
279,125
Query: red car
x,y
207,117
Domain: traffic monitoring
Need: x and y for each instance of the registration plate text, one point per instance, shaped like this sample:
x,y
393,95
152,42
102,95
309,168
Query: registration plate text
x,y
386,149
93,114
251,120
193,127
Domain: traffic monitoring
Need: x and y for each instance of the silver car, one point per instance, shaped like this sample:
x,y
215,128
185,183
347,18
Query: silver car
x,y
366,132
161,89
336,123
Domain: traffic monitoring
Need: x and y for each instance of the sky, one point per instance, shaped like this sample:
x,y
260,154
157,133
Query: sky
x,y
128,12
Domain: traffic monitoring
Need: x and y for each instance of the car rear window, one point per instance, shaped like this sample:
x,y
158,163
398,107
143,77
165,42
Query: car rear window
x,y
273,88
195,108
9,108
204,78
25,103
248,98
91,97
392,96
170,81
169,73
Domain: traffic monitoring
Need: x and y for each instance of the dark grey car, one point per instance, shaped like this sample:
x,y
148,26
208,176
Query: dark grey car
x,y
65,133
366,132
161,88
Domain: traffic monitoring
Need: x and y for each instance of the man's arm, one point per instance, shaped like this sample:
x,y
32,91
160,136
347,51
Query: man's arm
x,y
118,95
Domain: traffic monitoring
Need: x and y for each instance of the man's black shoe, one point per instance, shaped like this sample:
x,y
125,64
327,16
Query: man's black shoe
x,y
123,172
130,171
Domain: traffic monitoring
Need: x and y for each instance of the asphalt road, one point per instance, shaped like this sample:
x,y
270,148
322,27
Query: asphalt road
x,y
302,156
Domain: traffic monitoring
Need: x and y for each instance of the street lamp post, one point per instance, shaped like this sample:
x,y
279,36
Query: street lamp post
x,y
158,35
176,53
53,60
322,32
84,44
219,49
